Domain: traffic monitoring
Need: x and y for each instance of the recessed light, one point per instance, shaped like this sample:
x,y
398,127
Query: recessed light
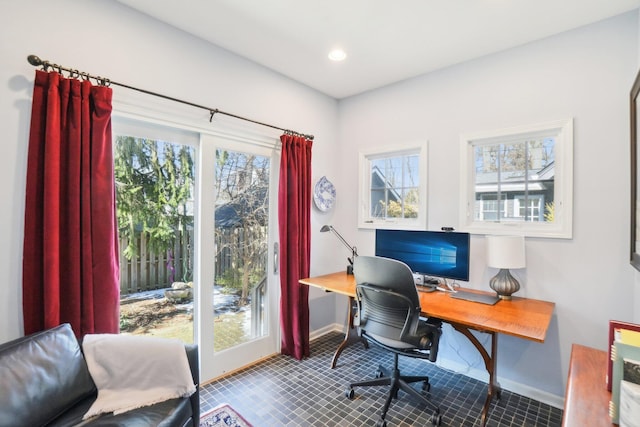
x,y
337,55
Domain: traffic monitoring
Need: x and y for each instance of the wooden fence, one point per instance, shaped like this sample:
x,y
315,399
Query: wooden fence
x,y
151,270
228,238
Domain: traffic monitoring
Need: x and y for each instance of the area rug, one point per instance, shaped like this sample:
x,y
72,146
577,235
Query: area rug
x,y
223,416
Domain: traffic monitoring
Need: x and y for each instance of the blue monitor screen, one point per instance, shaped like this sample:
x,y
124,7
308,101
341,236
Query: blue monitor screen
x,y
433,253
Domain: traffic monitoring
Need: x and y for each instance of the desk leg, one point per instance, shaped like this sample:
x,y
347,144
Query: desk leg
x,y
490,363
350,336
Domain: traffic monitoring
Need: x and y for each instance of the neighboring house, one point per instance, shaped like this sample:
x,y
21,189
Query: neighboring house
x,y
382,192
249,206
522,197
241,226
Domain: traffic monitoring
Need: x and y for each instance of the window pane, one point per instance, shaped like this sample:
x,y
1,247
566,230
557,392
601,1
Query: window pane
x,y
378,202
241,241
154,206
394,191
519,173
411,199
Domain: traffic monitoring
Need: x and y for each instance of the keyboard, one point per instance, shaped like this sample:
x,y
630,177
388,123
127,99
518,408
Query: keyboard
x,y
472,296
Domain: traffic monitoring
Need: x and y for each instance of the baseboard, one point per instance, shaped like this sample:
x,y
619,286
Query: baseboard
x,y
480,375
505,383
335,327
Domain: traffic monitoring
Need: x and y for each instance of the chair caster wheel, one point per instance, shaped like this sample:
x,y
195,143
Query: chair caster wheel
x,y
379,374
350,393
381,423
436,419
426,386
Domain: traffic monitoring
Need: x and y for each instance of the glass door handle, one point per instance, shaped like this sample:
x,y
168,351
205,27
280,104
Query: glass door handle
x,y
276,259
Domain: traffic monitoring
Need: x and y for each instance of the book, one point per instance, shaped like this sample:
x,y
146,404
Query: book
x,y
619,352
628,336
626,332
630,394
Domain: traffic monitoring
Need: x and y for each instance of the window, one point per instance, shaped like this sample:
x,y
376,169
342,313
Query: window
x,y
393,187
518,181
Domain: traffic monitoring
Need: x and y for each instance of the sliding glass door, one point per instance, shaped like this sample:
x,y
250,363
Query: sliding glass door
x,y
238,301
196,216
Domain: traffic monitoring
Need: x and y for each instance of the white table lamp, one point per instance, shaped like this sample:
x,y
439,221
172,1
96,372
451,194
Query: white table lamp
x,y
505,252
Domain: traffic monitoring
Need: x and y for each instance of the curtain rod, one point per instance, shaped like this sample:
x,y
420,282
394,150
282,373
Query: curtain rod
x,y
73,73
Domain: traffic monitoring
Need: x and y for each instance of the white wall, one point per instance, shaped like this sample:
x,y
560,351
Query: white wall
x,y
108,39
585,74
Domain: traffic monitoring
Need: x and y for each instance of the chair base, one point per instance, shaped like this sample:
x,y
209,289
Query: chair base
x,y
398,382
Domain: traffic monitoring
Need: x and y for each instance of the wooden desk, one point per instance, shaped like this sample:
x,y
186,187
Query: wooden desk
x,y
587,400
520,317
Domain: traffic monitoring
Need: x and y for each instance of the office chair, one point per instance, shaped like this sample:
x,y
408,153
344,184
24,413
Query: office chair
x,y
389,317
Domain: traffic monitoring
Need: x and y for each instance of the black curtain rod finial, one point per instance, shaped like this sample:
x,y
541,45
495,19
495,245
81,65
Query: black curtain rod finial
x,y
34,60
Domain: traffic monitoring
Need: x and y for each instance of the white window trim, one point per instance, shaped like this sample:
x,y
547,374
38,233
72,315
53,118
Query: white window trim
x,y
364,187
562,227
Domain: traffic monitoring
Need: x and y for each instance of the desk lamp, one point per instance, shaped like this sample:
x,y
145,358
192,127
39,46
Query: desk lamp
x,y
505,252
354,251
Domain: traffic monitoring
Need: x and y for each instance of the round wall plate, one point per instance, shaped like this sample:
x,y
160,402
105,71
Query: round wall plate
x,y
324,194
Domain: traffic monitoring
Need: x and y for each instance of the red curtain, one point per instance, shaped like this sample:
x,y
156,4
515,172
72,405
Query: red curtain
x,y
294,210
70,255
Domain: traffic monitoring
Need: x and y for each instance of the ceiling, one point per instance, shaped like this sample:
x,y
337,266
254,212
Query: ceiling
x,y
386,41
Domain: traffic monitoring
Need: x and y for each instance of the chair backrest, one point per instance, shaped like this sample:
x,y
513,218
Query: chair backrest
x,y
389,306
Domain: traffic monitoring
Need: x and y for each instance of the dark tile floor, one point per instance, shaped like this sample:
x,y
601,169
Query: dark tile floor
x,y
282,391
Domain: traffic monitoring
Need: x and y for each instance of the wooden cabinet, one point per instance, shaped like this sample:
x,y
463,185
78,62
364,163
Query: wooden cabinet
x,y
587,399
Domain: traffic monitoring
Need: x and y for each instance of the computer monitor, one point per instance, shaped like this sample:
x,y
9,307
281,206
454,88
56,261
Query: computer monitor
x,y
441,254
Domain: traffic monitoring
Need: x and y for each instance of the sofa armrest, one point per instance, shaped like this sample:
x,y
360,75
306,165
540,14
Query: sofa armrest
x,y
43,375
192,356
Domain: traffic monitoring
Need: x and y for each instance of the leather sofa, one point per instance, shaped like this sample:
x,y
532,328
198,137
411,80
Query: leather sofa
x,y
44,381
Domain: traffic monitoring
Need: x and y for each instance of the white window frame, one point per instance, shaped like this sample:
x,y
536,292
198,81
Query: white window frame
x,y
365,220
562,227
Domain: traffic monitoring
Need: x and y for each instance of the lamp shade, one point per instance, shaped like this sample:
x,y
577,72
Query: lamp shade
x,y
505,251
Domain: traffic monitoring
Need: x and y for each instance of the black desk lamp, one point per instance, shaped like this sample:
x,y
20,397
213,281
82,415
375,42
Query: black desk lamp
x,y
354,251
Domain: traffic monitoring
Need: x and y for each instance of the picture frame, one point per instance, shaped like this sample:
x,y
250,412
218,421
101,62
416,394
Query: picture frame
x,y
614,326
635,187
